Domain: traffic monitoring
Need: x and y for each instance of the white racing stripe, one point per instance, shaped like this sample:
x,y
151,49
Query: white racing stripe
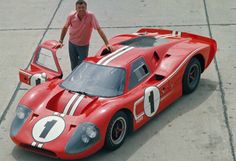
x,y
164,36
72,111
69,103
62,114
117,55
135,107
174,33
179,34
40,146
112,54
33,143
159,36
56,113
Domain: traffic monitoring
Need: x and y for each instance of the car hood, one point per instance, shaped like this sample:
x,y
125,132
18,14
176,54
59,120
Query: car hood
x,y
66,102
50,96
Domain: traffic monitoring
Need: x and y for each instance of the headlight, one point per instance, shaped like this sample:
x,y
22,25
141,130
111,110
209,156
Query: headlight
x,y
91,132
86,135
22,113
85,139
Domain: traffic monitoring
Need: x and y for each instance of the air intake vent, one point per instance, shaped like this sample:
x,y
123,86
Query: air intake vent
x,y
156,56
159,77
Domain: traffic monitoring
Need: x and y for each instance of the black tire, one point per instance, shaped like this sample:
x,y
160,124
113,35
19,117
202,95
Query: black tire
x,y
116,131
191,76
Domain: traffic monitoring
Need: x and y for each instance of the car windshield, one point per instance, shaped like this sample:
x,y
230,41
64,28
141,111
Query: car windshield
x,y
96,80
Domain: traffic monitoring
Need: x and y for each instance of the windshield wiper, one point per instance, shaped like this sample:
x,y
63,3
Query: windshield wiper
x,y
80,92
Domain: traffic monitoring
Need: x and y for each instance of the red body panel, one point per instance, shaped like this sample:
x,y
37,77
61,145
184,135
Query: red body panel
x,y
167,60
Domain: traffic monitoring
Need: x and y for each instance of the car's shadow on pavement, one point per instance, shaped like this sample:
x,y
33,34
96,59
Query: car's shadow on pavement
x,y
137,139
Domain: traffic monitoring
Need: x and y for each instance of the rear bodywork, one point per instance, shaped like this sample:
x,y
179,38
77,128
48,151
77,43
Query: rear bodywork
x,y
165,59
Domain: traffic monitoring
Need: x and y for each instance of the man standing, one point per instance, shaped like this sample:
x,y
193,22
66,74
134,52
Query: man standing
x,y
80,24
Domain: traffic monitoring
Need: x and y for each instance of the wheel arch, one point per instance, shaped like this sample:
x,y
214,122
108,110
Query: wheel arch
x,y
201,59
186,87
130,118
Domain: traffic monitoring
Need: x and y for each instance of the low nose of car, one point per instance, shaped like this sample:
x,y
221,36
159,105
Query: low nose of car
x,y
57,135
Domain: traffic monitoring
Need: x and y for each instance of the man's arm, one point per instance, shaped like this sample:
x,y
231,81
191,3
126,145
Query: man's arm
x,y
63,34
104,38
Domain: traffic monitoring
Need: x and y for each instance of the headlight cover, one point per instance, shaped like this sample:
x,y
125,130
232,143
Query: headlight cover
x,y
22,113
86,135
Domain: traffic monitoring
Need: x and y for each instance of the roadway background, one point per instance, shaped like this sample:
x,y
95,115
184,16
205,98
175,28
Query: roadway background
x,y
200,126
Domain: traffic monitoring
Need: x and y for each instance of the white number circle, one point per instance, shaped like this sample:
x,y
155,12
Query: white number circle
x,y
48,129
151,100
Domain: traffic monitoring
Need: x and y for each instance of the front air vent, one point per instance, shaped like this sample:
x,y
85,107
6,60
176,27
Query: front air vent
x,y
156,56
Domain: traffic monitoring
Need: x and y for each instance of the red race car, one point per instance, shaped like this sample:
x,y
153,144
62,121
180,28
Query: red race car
x,y
107,95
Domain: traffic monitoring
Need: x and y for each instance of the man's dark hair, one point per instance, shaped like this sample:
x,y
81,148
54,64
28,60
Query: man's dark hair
x,y
81,2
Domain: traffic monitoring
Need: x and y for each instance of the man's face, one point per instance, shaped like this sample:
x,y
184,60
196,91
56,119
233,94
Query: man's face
x,y
81,9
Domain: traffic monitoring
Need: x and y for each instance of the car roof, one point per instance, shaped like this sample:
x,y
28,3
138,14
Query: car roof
x,y
129,47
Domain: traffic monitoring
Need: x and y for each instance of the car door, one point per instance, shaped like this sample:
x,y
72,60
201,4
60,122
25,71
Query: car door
x,y
146,97
44,65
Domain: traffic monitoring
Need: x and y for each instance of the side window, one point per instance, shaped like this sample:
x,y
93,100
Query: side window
x,y
139,71
45,59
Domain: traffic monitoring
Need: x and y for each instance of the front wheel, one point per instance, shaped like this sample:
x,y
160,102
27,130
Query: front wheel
x,y
191,76
116,131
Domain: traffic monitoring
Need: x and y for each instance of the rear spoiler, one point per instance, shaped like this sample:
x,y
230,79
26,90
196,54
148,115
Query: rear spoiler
x,y
211,42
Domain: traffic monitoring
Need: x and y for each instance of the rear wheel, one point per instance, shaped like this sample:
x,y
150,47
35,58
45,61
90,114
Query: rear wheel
x,y
116,131
191,76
